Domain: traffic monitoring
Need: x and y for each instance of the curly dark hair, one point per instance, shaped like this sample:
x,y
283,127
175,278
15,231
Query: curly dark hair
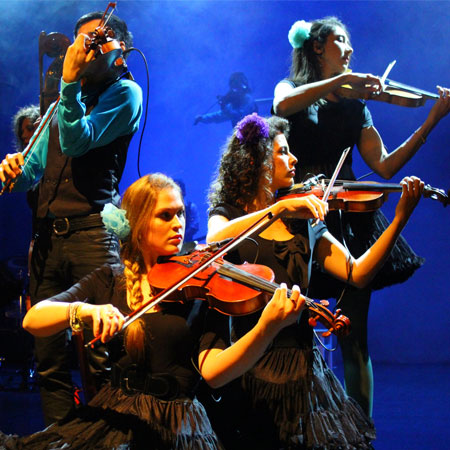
x,y
244,173
30,112
305,67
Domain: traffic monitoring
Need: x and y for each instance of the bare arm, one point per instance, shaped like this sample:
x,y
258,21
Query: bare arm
x,y
306,207
387,164
332,255
47,318
220,366
289,100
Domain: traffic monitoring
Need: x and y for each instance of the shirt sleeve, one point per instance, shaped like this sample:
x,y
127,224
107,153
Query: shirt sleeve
x,y
366,117
36,159
117,113
228,211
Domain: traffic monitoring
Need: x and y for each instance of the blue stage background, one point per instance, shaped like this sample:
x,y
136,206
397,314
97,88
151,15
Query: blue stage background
x,y
192,47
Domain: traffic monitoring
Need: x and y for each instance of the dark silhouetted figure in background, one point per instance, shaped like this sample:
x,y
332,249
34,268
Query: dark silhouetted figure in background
x,y
234,105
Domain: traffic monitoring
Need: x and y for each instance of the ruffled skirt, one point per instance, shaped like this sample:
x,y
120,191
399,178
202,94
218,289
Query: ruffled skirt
x,y
113,420
298,403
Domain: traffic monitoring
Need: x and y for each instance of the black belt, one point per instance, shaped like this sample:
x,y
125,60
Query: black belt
x,y
133,380
63,225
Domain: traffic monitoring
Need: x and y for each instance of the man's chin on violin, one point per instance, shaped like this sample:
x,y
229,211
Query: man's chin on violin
x,y
79,57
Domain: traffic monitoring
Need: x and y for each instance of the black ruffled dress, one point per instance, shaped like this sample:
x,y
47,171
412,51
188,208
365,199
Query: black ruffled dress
x,y
291,399
151,406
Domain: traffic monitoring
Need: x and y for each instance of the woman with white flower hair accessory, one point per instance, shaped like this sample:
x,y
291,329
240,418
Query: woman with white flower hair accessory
x,y
150,401
322,126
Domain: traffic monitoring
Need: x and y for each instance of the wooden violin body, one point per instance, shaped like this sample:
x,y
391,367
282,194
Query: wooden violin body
x,y
211,284
234,290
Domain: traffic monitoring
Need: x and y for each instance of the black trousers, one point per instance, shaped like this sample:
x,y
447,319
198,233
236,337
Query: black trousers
x,y
57,263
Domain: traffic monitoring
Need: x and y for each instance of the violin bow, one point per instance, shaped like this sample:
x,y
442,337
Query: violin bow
x,y
387,71
261,224
29,150
334,178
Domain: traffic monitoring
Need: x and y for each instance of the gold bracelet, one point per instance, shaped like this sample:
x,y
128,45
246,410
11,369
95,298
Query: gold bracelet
x,y
76,324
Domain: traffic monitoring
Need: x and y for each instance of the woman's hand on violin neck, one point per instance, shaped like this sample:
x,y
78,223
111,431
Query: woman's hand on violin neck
x,y
412,189
10,167
106,320
304,207
76,59
281,311
442,106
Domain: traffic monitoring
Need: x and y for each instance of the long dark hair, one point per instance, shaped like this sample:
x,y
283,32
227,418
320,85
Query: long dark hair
x,y
244,174
305,66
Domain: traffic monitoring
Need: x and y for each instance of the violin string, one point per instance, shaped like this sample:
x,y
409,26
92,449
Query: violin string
x,y
365,176
243,276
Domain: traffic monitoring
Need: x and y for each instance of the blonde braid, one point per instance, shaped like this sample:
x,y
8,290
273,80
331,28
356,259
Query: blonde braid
x,y
132,272
135,333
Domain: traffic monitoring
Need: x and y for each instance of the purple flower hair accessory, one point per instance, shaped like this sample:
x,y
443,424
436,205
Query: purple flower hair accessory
x,y
251,129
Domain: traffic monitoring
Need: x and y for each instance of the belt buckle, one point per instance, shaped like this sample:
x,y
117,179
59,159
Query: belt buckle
x,y
124,380
61,226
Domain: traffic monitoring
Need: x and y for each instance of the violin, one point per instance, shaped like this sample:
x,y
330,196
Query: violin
x,y
102,42
354,196
394,92
234,290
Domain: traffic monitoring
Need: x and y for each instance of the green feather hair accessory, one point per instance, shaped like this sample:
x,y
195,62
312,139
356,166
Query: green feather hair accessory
x,y
298,33
115,221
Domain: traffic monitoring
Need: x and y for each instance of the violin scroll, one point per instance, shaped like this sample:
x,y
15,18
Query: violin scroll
x,y
102,34
436,194
107,50
336,323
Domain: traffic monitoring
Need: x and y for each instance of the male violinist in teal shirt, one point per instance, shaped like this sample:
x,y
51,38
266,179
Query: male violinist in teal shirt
x,y
78,160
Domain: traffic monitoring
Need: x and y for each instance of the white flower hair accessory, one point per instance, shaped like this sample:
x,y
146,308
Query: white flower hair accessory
x,y
115,221
299,32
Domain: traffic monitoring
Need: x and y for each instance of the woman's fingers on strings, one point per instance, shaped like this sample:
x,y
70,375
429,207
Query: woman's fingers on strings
x,y
296,298
412,189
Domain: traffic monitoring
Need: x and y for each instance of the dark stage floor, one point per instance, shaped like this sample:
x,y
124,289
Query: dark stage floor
x,y
411,406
